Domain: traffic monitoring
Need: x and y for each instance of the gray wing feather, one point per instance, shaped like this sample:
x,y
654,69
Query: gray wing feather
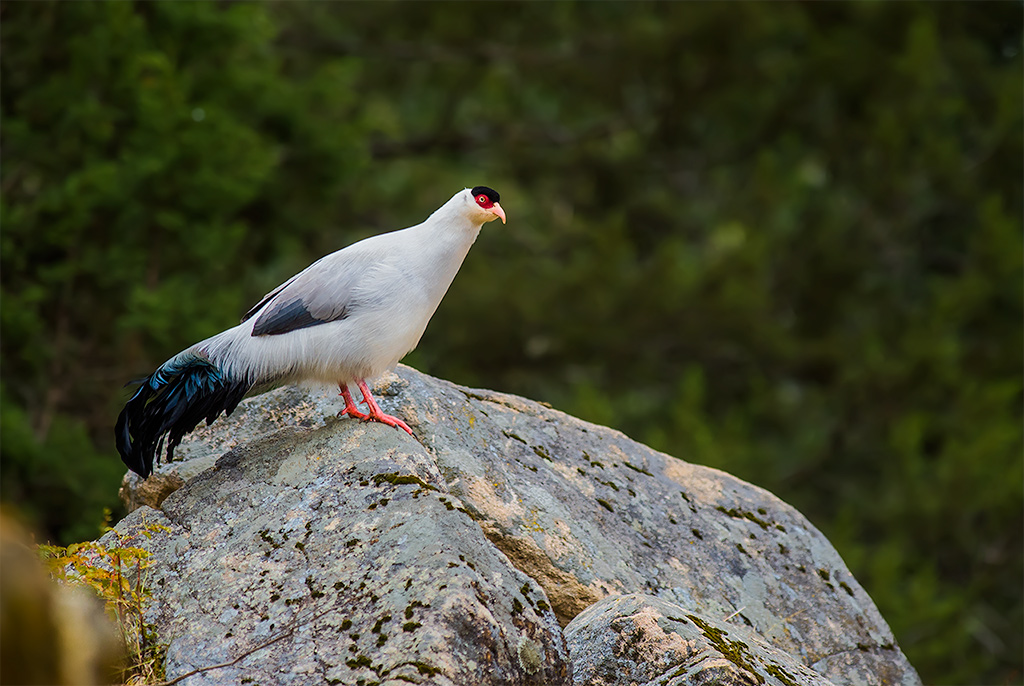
x,y
319,294
267,298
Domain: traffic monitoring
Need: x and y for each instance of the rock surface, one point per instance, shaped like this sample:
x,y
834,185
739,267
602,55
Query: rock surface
x,y
457,558
641,639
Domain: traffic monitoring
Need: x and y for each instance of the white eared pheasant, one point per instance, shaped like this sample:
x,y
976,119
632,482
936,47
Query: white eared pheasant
x,y
345,319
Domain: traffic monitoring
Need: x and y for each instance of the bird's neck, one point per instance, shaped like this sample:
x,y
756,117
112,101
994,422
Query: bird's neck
x,y
445,240
450,230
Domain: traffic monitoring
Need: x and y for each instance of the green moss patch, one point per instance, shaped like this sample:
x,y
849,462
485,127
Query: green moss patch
x,y
735,652
396,479
744,514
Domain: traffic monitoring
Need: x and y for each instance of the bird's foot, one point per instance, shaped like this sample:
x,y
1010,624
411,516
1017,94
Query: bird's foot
x,y
350,406
352,412
390,420
377,415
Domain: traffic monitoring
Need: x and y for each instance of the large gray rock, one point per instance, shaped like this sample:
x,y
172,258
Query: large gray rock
x,y
553,513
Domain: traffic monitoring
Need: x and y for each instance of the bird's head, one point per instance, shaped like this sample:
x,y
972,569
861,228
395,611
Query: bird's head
x,y
483,204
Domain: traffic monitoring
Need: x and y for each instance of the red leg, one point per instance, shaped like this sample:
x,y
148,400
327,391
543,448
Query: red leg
x,y
350,405
377,414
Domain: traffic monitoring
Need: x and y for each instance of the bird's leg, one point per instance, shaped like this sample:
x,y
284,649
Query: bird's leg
x,y
350,405
377,414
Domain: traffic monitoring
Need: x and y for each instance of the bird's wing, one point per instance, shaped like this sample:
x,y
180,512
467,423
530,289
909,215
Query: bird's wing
x,y
269,296
321,293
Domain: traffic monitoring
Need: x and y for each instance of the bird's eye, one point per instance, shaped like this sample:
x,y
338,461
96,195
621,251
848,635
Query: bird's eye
x,y
481,199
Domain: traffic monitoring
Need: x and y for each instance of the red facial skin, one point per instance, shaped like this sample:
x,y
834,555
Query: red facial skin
x,y
484,202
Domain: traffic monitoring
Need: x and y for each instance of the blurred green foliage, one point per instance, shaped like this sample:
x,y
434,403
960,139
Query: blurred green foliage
x,y
783,240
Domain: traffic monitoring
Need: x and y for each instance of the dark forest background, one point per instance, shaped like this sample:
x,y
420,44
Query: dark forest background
x,y
779,239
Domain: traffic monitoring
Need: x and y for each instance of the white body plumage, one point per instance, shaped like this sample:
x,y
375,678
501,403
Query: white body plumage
x,y
391,284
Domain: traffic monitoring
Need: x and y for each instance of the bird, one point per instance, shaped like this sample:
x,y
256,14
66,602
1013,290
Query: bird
x,y
346,319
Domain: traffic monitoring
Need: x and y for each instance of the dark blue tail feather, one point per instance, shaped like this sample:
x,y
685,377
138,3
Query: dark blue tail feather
x,y
172,401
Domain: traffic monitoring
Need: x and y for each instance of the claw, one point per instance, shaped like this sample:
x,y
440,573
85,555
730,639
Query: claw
x,y
350,407
375,413
378,415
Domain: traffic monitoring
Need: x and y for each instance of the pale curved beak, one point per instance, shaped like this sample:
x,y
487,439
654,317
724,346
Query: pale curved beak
x,y
496,208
